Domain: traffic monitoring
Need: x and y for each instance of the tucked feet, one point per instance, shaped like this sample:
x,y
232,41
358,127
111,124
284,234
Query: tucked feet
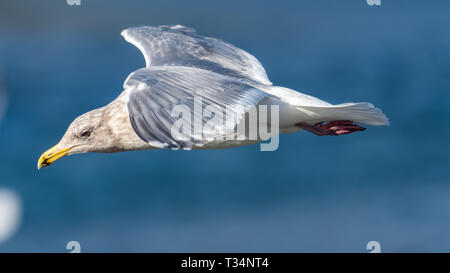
x,y
332,128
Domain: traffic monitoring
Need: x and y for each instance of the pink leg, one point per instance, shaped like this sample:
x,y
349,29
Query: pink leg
x,y
333,128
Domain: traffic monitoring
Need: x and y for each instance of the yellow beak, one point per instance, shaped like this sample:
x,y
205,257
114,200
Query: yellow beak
x,y
51,156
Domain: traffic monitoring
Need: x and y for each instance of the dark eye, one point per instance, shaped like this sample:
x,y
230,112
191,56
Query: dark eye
x,y
85,134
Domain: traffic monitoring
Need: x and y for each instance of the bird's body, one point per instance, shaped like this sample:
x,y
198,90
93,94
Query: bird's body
x,y
213,84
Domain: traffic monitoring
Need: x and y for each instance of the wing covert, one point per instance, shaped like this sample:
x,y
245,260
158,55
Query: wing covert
x,y
155,91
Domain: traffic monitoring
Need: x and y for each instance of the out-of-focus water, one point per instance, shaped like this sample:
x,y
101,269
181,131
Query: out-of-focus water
x,y
389,184
10,213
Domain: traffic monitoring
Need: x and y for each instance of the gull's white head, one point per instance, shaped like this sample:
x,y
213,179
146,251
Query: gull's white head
x,y
87,133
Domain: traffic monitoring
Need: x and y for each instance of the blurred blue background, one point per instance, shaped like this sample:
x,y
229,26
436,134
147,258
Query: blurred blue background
x,y
314,194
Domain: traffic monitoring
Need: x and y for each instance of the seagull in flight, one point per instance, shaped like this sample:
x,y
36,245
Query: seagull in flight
x,y
184,68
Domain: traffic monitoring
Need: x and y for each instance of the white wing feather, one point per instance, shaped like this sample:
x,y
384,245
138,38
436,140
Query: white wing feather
x,y
181,46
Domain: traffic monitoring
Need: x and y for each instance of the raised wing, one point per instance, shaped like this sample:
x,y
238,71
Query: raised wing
x,y
154,93
181,46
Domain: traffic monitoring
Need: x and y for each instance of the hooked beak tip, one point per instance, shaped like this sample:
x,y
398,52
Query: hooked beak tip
x,y
50,156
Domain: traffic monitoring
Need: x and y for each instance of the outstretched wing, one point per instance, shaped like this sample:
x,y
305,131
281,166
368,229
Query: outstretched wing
x,y
181,46
154,92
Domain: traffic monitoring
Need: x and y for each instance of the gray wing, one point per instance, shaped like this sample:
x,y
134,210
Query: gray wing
x,y
181,46
154,92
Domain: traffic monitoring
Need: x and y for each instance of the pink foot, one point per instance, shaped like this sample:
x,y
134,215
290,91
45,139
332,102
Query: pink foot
x,y
332,128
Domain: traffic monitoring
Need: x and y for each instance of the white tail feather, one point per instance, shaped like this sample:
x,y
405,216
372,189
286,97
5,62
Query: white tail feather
x,y
361,112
